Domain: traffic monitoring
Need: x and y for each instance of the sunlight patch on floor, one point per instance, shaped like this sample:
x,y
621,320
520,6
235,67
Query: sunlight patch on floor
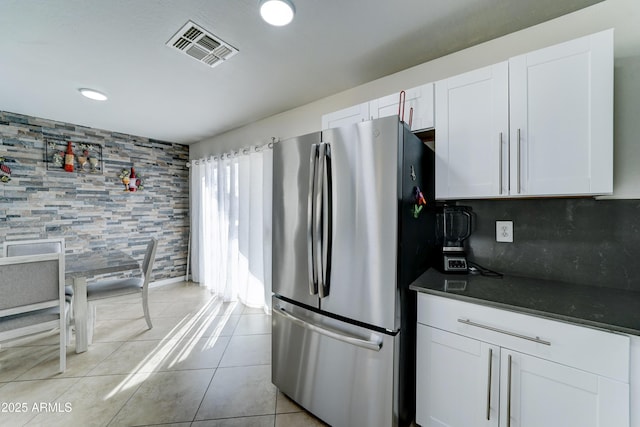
x,y
182,340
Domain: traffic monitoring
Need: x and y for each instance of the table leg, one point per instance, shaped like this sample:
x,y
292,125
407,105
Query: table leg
x,y
80,312
91,322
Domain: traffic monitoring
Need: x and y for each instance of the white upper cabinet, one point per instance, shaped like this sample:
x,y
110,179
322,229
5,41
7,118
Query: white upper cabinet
x,y
554,138
419,98
561,118
472,127
356,114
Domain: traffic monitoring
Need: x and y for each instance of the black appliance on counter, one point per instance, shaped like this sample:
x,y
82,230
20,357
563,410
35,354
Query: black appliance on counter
x,y
454,227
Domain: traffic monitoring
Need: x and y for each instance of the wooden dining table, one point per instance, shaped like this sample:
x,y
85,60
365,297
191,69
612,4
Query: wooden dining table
x,y
81,266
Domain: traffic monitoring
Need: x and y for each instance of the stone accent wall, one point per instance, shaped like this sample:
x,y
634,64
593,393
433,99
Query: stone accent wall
x,y
93,210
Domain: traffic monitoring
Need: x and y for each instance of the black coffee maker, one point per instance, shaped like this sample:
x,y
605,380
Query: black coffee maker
x,y
454,229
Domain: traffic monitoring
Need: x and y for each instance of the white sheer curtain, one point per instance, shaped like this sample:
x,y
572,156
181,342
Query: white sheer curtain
x,y
231,225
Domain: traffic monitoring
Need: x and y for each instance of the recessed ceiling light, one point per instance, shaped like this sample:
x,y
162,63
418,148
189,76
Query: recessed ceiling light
x,y
277,12
93,94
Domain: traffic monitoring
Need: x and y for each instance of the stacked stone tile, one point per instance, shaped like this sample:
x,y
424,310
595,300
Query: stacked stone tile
x,y
93,210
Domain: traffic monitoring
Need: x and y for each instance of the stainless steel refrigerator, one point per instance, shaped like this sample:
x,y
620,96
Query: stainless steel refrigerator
x,y
351,230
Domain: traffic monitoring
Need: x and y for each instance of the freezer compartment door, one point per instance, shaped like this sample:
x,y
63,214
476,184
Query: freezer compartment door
x,y
342,373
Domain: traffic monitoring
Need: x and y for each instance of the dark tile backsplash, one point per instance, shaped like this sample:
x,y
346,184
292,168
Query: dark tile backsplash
x,y
575,240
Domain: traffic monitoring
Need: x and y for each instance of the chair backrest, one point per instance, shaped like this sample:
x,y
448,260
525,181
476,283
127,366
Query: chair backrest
x,y
33,247
31,286
149,257
30,282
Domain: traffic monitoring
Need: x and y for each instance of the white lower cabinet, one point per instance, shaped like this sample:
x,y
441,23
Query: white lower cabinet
x,y
538,392
463,381
634,381
456,380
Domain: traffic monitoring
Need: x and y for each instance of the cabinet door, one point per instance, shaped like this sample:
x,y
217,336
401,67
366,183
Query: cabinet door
x,y
457,380
348,116
538,393
561,118
419,98
472,126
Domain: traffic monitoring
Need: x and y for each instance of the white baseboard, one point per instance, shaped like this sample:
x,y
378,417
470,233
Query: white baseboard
x,y
164,282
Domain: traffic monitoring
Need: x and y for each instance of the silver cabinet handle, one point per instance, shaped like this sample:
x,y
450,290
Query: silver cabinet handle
x,y
502,331
509,168
489,385
313,281
500,163
509,392
349,339
518,163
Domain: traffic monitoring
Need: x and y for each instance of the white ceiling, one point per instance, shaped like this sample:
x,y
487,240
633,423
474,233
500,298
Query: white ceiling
x,y
49,49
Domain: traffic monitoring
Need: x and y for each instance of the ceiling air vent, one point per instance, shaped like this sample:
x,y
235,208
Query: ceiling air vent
x,y
199,44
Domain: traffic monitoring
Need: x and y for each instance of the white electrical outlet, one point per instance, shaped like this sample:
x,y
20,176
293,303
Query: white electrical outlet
x,y
504,231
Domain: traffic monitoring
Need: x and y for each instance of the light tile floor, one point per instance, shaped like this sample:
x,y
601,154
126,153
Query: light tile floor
x,y
204,363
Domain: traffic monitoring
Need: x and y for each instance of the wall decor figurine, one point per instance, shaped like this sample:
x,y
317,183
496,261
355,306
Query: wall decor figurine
x,y
57,157
131,180
69,158
124,177
5,170
87,159
78,157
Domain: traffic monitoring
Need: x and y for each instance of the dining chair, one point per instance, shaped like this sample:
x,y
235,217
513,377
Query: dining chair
x,y
39,247
36,247
33,247
118,287
32,297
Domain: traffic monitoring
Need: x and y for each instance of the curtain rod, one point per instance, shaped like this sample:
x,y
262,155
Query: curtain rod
x,y
238,152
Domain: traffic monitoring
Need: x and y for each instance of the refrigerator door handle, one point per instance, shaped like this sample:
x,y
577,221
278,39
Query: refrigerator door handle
x,y
340,336
317,218
327,223
313,276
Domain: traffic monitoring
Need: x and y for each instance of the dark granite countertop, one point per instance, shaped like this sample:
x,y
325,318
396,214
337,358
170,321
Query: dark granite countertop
x,y
607,308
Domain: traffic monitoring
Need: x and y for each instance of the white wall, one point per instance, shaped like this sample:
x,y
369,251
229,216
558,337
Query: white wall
x,y
623,15
626,132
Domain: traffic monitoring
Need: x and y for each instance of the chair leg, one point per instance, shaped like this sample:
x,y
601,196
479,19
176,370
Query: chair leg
x,y
69,327
145,307
63,341
63,354
69,319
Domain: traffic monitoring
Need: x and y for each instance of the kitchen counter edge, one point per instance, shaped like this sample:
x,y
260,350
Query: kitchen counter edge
x,y
602,308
